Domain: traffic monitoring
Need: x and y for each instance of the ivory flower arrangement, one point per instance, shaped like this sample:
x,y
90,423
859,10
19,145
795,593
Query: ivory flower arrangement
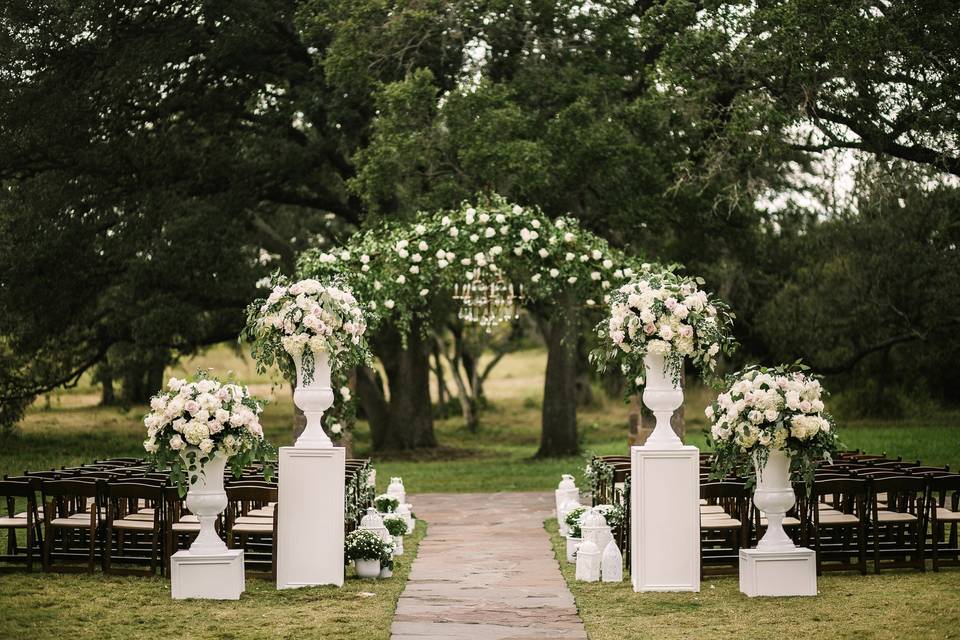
x,y
300,319
771,409
192,421
663,314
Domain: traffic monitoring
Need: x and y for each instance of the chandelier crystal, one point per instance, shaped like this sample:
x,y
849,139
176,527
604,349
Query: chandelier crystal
x,y
489,301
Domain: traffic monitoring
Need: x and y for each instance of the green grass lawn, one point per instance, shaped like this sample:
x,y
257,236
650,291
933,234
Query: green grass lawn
x,y
99,607
890,605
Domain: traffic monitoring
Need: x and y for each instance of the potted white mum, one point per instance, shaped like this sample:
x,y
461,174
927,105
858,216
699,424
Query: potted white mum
x,y
366,549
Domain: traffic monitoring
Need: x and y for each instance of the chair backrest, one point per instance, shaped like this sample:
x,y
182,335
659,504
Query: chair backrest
x,y
849,494
130,489
945,491
84,488
904,494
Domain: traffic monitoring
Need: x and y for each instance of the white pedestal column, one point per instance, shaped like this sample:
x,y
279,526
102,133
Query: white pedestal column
x,y
216,576
310,525
778,573
665,518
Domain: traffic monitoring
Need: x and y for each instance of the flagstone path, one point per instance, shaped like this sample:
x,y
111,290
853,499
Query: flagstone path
x,y
485,571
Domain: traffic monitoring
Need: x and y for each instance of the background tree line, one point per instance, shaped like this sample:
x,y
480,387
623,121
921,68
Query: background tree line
x,y
158,158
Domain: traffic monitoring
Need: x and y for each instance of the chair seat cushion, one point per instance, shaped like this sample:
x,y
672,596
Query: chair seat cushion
x,y
23,514
945,515
254,520
711,508
80,516
188,527
140,525
13,523
72,523
838,518
140,515
253,528
703,502
720,523
189,517
264,512
895,516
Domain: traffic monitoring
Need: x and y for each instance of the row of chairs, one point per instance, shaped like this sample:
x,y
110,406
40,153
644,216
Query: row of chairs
x,y
119,513
900,511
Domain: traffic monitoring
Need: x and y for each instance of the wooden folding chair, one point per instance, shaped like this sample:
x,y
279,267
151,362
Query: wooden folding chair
x,y
14,491
72,510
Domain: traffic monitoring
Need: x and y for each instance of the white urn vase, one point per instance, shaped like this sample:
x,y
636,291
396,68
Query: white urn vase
x,y
367,569
774,497
662,396
206,499
314,395
398,545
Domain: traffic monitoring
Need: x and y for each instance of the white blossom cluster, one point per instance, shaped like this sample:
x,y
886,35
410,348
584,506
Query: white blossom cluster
x,y
663,314
770,409
205,414
326,318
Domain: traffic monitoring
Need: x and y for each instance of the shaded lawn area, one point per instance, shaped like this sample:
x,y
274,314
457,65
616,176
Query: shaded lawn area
x,y
99,607
889,605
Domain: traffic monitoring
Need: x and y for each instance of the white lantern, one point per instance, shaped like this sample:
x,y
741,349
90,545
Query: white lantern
x,y
566,492
594,527
404,510
588,562
373,522
395,489
611,563
566,508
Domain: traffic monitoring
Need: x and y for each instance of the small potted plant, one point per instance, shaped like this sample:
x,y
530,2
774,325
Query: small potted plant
x,y
386,503
574,536
396,524
366,549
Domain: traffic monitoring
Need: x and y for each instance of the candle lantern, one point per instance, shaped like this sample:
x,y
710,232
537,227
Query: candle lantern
x,y
566,491
566,508
373,522
594,528
611,563
395,490
588,562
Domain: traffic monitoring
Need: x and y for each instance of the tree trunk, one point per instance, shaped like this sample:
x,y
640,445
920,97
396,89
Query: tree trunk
x,y
584,386
373,405
558,433
408,423
108,396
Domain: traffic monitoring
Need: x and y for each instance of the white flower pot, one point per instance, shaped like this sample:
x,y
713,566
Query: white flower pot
x,y
206,499
314,395
367,569
395,490
386,572
774,497
397,545
662,396
572,544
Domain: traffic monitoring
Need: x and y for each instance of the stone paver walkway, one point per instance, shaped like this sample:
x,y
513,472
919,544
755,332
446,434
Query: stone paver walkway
x,y
486,570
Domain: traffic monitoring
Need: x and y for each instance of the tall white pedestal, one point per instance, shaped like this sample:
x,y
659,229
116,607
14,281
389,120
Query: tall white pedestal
x,y
310,525
665,518
207,576
778,573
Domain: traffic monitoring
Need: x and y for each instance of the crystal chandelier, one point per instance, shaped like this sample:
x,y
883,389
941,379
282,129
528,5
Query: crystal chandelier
x,y
488,302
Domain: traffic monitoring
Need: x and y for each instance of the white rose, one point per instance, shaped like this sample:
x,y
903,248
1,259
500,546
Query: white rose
x,y
388,304
176,443
543,253
554,273
206,445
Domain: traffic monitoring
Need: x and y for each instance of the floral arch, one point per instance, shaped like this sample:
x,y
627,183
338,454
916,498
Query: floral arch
x,y
405,273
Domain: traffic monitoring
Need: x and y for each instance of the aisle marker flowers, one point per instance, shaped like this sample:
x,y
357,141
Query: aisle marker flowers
x,y
666,314
765,409
193,420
